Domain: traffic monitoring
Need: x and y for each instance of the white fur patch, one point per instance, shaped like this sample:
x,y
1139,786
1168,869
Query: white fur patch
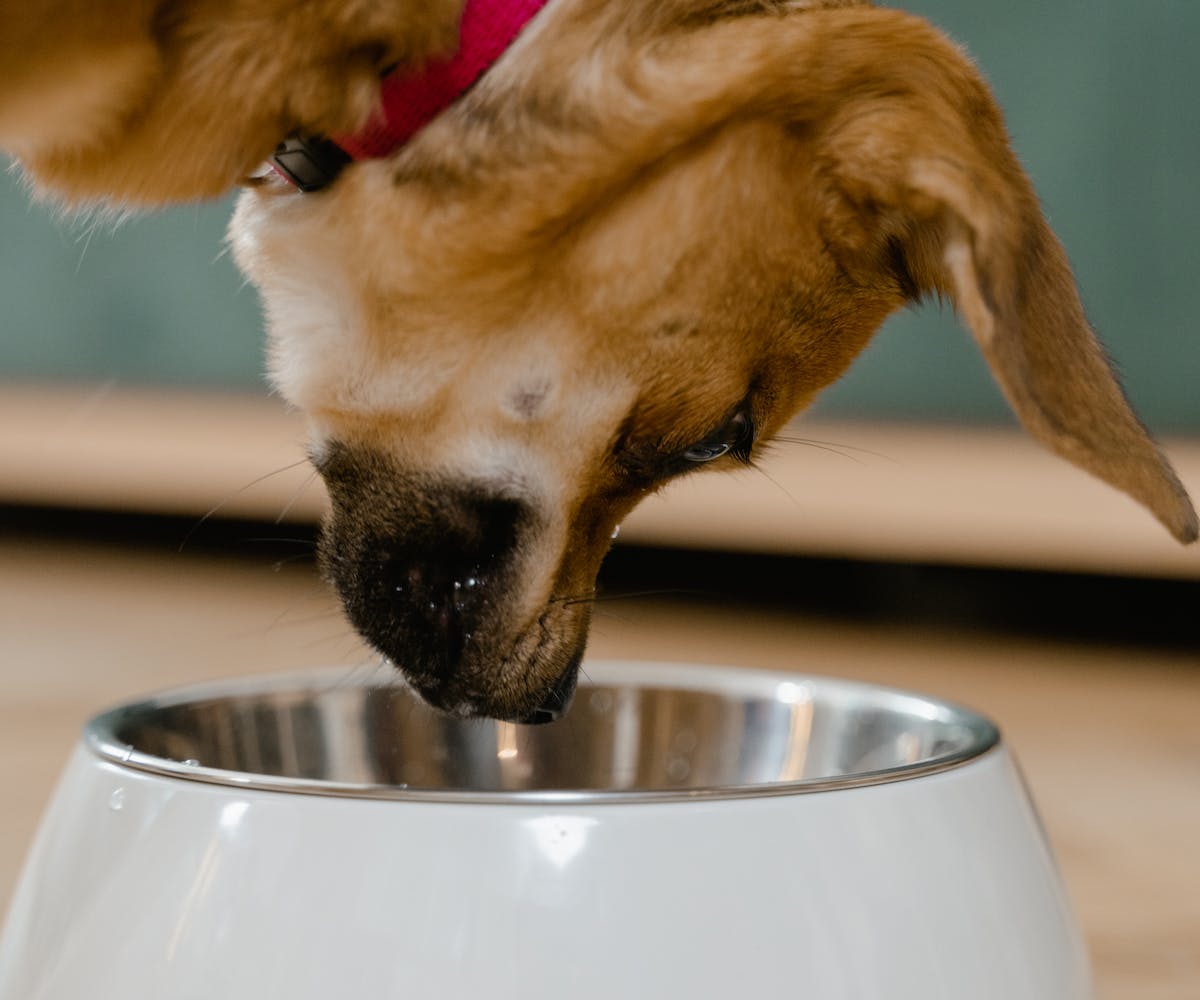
x,y
960,262
319,351
520,406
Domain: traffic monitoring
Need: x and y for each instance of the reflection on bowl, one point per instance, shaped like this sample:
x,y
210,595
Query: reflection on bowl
x,y
682,832
721,735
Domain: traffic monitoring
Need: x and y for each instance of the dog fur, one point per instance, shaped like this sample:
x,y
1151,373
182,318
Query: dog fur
x,y
143,102
647,238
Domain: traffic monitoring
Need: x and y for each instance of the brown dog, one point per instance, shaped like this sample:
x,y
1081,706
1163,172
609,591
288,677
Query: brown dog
x,y
648,237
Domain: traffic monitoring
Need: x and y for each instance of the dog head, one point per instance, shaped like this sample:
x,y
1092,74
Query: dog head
x,y
635,249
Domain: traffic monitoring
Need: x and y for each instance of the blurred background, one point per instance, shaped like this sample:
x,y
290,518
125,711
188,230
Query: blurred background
x,y
157,520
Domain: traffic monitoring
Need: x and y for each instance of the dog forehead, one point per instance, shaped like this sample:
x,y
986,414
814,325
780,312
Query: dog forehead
x,y
360,331
662,307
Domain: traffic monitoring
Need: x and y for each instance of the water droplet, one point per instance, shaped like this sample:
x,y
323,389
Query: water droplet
x,y
601,702
615,532
457,585
191,762
685,740
678,769
116,801
472,582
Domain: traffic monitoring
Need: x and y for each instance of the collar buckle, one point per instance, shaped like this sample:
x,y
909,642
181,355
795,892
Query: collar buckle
x,y
308,162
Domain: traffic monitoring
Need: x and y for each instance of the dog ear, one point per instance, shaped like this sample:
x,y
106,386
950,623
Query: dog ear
x,y
922,181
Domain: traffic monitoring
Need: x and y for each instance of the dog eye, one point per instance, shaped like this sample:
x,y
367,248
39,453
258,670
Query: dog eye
x,y
707,452
736,437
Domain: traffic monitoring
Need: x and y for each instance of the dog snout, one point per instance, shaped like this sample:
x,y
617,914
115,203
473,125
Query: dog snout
x,y
445,601
425,588
558,699
458,583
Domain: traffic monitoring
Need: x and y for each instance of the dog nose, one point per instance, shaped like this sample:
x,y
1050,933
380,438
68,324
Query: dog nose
x,y
435,582
441,602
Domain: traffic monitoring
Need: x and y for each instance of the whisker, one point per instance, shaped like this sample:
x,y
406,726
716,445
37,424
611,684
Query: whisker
x,y
317,593
779,486
350,642
833,447
267,539
303,488
608,614
277,566
568,600
279,623
279,627
236,493
363,673
571,598
89,232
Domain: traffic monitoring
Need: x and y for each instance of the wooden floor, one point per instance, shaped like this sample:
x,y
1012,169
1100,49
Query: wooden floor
x,y
1108,736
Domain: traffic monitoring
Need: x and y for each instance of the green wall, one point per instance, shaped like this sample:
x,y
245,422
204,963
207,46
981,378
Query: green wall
x,y
1103,100
154,299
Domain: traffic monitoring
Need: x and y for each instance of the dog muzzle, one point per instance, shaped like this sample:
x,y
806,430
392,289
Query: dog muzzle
x,y
409,101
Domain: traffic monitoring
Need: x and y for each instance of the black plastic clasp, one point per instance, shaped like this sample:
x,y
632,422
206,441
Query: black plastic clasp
x,y
309,162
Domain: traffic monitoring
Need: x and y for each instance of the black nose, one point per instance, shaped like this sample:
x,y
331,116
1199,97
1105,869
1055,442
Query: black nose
x,y
422,589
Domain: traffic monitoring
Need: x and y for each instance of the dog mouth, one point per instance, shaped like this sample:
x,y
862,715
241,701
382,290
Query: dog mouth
x,y
533,708
531,683
453,583
467,669
558,699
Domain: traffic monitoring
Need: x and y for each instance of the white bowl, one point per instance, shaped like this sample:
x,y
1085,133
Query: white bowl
x,y
684,832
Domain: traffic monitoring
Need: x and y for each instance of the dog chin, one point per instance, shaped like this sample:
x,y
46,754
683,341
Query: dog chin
x,y
533,685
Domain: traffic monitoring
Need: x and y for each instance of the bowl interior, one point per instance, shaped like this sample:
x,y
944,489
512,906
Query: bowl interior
x,y
634,730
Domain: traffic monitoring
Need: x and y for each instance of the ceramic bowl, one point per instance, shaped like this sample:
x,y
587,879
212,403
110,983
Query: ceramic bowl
x,y
683,832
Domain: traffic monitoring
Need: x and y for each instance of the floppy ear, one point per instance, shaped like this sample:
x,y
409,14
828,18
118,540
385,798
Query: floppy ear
x,y
1012,286
923,177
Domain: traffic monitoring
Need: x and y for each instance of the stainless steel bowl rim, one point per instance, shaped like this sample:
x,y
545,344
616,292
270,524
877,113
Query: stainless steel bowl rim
x,y
99,737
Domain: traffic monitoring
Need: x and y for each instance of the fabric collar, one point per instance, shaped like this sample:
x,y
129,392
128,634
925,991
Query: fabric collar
x,y
409,101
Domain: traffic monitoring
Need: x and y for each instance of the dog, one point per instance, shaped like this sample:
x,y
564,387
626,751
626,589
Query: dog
x,y
641,242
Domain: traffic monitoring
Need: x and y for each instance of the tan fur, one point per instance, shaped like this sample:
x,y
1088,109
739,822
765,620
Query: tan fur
x,y
141,102
644,217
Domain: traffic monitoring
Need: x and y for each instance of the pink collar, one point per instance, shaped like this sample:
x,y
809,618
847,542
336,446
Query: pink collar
x,y
409,102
